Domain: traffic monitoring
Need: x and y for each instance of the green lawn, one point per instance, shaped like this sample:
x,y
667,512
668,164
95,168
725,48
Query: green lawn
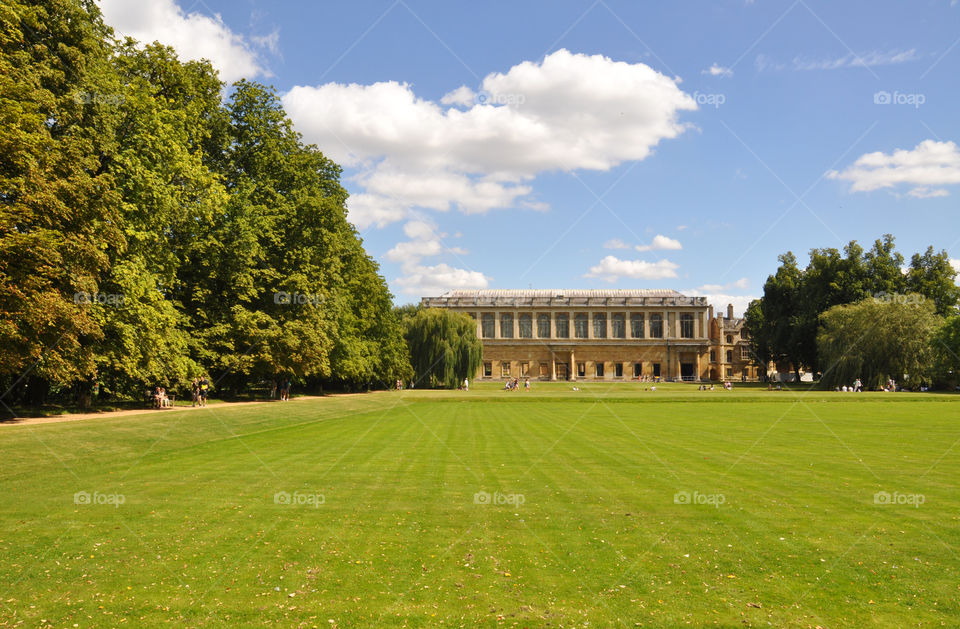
x,y
618,507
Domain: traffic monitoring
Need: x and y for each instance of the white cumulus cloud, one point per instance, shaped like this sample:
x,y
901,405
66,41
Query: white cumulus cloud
x,y
194,36
568,112
742,283
718,70
615,243
661,242
930,163
612,268
422,279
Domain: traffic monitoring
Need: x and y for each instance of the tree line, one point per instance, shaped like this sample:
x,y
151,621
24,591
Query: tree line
x,y
156,225
860,313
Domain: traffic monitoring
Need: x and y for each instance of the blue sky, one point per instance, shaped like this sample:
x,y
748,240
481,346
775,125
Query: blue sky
x,y
606,144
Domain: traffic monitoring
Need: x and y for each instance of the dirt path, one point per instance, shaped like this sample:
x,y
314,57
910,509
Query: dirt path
x,y
52,419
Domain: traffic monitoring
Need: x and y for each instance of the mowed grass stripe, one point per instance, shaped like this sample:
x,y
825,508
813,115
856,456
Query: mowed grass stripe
x,y
400,541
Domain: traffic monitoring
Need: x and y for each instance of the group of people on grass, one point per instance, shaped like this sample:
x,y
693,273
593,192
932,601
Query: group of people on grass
x,y
160,398
514,385
199,390
283,386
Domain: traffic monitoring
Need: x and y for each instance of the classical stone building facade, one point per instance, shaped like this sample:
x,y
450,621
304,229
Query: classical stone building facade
x,y
588,334
731,356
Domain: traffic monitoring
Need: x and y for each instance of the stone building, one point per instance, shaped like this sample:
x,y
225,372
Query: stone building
x,y
588,334
731,356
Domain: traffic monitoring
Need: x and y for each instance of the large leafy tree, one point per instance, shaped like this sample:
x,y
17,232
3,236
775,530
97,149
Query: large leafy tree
x,y
876,339
787,322
220,239
58,206
444,348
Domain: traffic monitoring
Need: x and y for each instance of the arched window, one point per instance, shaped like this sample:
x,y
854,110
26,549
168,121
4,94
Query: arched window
x,y
636,325
599,326
506,325
656,326
618,323
488,326
563,326
525,322
686,326
580,325
543,326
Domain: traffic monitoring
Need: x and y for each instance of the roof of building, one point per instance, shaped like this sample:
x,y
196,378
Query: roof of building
x,y
564,297
560,292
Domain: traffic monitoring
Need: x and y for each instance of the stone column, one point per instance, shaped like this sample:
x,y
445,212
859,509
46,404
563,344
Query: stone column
x,y
572,367
553,367
496,324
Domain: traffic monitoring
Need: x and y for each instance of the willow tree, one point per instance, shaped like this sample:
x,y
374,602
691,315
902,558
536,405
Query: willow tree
x,y
444,348
877,339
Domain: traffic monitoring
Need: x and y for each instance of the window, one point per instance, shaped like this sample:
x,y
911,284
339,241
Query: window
x,y
488,325
656,370
729,372
525,323
506,325
618,370
636,326
637,370
505,369
580,326
713,355
598,367
545,371
744,352
581,370
744,334
524,370
686,326
599,326
487,370
729,338
563,326
543,326
656,326
619,324
729,355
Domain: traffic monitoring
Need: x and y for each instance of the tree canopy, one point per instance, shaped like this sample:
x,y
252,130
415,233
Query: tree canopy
x,y
151,230
444,348
876,339
786,321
